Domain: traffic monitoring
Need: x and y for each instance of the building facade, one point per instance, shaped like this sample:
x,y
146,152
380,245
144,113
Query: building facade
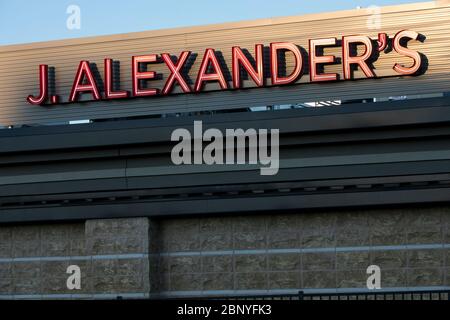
x,y
364,172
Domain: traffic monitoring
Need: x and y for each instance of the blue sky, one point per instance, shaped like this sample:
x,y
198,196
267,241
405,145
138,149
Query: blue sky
x,y
23,21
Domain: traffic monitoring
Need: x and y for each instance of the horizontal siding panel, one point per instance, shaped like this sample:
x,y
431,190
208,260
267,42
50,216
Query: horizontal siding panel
x,y
19,65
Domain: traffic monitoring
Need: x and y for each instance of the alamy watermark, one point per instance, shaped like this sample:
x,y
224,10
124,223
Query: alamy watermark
x,y
73,21
74,280
374,279
374,18
229,147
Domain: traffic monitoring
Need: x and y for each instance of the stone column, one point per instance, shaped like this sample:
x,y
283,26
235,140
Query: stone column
x,y
119,251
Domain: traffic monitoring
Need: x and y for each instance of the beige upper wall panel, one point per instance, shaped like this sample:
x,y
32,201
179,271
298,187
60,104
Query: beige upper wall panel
x,y
19,64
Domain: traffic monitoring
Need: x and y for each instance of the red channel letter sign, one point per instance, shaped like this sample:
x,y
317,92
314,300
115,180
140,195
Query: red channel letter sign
x,y
211,70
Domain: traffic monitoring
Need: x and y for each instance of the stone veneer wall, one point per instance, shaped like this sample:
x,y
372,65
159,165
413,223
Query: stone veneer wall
x,y
138,257
318,251
112,255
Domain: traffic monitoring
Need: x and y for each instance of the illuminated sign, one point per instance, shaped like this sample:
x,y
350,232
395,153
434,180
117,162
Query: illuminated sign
x,y
211,70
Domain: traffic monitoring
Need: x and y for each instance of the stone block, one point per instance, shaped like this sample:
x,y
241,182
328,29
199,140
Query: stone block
x,y
27,285
445,213
217,281
352,220
26,248
105,246
26,233
250,263
119,284
6,249
381,219
425,277
77,246
26,269
77,230
387,235
58,285
5,270
318,261
101,227
6,286
132,267
223,264
54,268
425,258
133,227
446,233
251,281
55,231
100,246
319,279
186,282
55,247
325,238
252,224
388,259
352,260
211,225
393,278
352,279
317,221
283,223
250,240
117,236
124,227
216,241
285,240
6,234
182,242
185,264
424,236
124,245
284,262
423,218
352,236
104,267
104,284
184,228
131,283
284,280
